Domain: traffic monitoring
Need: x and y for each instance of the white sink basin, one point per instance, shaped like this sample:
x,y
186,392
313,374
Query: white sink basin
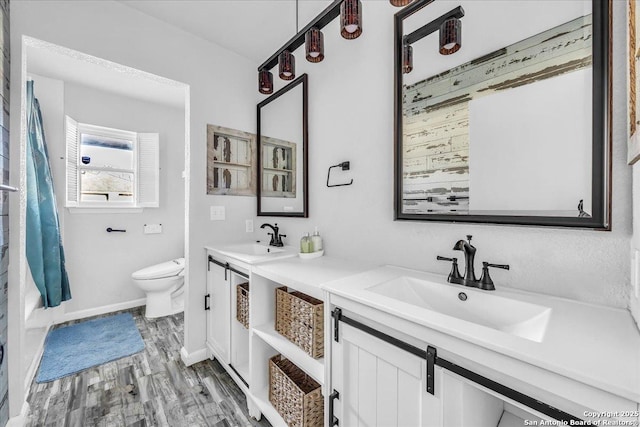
x,y
253,249
253,253
484,308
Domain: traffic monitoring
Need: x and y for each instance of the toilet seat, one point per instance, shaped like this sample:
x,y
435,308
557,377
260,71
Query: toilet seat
x,y
158,271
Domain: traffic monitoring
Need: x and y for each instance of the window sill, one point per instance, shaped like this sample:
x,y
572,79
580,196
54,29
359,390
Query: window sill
x,y
105,210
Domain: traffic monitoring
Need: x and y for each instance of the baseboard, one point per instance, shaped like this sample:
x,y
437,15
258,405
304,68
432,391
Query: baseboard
x,y
35,362
20,419
194,357
96,311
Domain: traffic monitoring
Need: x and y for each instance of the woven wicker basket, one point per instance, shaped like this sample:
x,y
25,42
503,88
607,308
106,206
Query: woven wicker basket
x,y
242,304
295,395
300,318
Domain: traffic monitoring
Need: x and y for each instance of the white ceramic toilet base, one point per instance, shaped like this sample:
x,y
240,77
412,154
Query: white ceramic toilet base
x,y
160,304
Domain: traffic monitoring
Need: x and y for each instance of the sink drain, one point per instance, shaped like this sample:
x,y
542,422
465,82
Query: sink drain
x,y
462,296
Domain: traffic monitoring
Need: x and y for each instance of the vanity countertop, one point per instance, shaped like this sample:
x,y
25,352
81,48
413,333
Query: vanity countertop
x,y
595,345
307,275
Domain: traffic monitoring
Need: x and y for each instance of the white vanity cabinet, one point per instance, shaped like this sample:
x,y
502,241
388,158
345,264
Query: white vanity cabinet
x,y
227,339
383,349
380,384
387,382
218,307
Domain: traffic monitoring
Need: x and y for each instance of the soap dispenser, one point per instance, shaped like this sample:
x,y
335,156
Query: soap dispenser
x,y
317,241
306,244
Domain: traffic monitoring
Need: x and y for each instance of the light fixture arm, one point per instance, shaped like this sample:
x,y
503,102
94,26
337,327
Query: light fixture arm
x,y
432,26
320,21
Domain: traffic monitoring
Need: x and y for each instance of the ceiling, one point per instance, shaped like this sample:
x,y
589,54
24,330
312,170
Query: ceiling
x,y
49,60
232,23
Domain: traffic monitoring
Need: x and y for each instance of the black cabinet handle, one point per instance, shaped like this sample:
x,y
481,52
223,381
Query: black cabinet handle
x,y
112,230
333,420
207,297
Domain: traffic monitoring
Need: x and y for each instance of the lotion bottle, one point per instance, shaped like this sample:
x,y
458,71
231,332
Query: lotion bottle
x,y
305,244
317,241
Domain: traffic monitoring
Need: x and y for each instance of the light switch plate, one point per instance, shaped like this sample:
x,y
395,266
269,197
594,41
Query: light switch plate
x,y
152,228
217,213
248,226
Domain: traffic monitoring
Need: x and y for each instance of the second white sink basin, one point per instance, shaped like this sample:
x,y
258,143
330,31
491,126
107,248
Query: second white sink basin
x,y
484,308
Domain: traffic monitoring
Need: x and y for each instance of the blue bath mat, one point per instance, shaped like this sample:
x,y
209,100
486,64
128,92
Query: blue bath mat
x,y
91,343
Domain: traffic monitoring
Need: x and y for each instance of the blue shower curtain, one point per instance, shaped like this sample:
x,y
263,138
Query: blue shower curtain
x,y
44,246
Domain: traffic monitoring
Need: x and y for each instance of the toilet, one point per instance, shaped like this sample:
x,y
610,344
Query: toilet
x,y
163,284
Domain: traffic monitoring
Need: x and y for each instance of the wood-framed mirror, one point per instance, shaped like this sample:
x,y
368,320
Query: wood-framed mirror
x,y
512,128
282,154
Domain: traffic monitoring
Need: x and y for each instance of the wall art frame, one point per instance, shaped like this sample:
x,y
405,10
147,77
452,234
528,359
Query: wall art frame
x,y
231,162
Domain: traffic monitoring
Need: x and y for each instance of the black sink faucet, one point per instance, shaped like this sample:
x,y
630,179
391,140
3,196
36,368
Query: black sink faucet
x,y
276,239
469,255
469,279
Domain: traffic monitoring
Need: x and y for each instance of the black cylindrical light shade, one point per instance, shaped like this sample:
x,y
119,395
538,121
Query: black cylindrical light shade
x,y
287,65
400,3
407,59
350,19
265,82
314,45
450,36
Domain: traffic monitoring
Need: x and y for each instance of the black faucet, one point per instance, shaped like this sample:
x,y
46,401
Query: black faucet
x,y
276,239
469,255
469,279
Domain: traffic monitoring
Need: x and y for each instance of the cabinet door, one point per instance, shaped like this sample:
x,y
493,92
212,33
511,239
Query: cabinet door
x,y
380,384
218,316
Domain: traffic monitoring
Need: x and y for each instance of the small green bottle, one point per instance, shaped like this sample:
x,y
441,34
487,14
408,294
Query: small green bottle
x,y
305,244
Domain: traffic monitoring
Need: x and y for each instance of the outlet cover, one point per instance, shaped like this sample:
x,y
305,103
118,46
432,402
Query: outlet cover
x,y
152,228
248,226
217,213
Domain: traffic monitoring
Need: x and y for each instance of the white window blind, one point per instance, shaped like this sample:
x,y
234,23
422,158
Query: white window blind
x,y
71,130
148,170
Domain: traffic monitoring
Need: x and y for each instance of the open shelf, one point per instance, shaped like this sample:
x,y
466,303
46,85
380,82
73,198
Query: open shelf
x,y
261,399
313,367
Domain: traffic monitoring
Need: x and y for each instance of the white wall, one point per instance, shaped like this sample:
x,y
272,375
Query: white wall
x,y
100,263
351,118
223,89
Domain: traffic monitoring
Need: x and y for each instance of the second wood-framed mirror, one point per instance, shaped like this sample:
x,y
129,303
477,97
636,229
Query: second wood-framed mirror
x,y
503,111
282,131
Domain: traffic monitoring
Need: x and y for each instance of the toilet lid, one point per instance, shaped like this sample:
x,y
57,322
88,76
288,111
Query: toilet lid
x,y
158,271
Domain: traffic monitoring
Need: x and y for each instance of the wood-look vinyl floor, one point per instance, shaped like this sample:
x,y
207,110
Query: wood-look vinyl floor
x,y
151,388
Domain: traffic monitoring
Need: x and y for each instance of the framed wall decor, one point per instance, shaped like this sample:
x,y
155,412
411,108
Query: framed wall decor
x,y
231,159
633,153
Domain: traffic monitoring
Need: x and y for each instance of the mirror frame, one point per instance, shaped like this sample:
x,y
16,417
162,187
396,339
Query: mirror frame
x,y
302,80
601,133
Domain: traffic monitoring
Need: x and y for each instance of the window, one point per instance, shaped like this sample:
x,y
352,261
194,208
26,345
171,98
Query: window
x,y
110,168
